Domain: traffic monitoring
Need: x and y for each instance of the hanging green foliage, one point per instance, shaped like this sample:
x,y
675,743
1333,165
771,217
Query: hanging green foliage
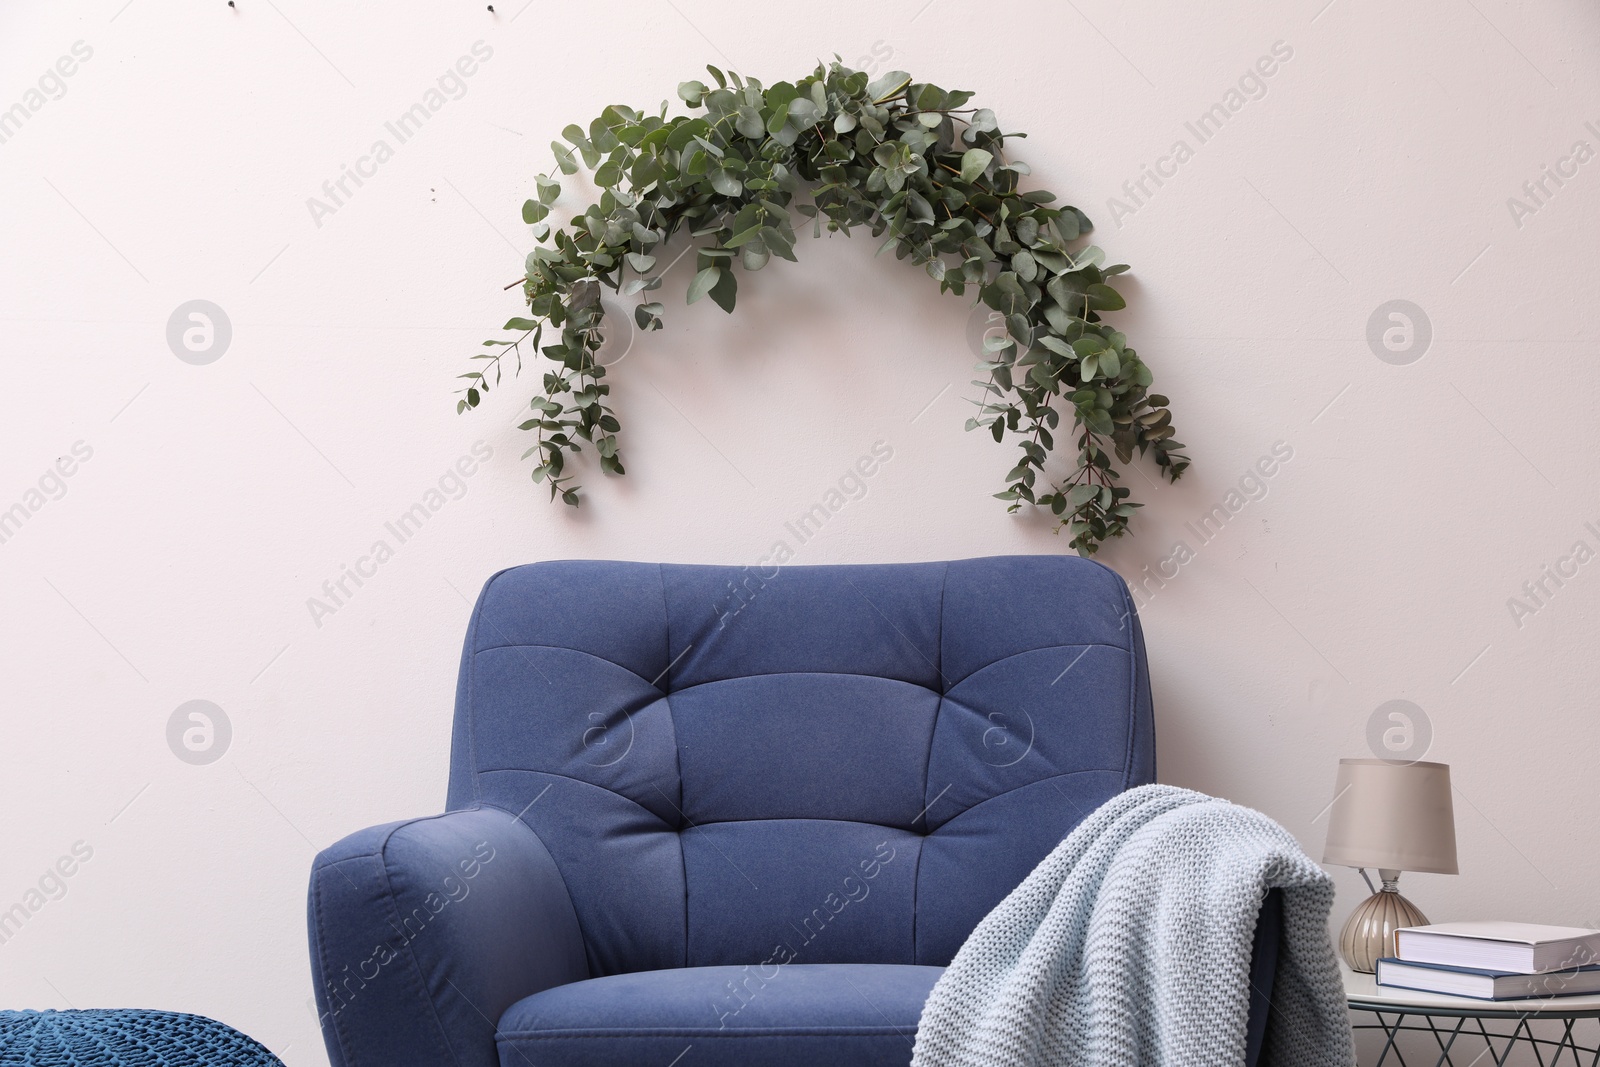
x,y
909,162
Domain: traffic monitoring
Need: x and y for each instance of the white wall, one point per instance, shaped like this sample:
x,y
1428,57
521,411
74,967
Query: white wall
x,y
177,566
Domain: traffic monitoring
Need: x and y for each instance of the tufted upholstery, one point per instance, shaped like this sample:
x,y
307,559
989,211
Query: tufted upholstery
x,y
695,780
746,763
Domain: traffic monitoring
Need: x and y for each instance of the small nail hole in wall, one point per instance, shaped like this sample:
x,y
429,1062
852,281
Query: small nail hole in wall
x,y
491,9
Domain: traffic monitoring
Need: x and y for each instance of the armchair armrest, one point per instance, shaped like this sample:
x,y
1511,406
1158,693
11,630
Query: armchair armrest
x,y
424,932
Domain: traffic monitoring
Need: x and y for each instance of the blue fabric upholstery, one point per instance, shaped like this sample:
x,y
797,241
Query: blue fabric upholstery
x,y
829,772
424,932
1263,972
802,1014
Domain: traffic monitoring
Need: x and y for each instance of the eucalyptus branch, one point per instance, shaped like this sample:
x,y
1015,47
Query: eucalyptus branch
x,y
868,152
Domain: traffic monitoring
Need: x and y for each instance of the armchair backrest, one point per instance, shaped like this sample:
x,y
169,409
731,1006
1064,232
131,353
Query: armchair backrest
x,y
831,764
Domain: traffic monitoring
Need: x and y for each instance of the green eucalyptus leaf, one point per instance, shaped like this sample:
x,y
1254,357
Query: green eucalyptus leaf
x,y
754,257
888,86
803,112
725,182
749,122
973,163
724,291
703,283
1092,256
585,293
564,158
1080,495
648,316
1104,298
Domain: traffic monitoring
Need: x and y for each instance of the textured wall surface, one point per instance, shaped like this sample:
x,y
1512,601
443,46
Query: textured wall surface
x,y
1385,494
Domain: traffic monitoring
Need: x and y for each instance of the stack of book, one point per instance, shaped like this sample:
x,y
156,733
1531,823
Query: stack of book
x,y
1494,960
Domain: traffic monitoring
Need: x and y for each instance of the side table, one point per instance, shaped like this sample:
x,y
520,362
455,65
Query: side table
x,y
1464,1030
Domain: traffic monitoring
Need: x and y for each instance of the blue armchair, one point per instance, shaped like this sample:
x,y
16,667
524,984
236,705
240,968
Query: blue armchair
x,y
710,815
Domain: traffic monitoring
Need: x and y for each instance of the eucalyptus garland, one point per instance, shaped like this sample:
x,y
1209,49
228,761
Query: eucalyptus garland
x,y
905,160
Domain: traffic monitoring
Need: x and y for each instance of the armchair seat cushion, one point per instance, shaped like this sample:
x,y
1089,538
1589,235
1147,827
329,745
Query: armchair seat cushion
x,y
846,1014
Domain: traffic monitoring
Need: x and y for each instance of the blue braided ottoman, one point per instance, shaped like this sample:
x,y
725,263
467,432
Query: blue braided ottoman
x,y
119,1037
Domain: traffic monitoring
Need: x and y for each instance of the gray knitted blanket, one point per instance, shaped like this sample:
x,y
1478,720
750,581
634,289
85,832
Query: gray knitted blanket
x,y
1129,946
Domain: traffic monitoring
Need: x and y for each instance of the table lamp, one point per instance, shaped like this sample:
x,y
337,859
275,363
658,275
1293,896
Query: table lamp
x,y
1395,816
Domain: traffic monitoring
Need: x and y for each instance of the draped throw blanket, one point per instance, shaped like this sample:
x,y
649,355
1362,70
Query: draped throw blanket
x,y
1130,946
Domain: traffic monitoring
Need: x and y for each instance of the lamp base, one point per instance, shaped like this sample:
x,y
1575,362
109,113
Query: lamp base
x,y
1368,934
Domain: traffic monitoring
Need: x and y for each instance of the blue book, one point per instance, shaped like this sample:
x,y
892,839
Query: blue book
x,y
1487,985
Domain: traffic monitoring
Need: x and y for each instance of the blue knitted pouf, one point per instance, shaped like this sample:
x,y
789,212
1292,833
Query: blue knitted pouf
x,y
121,1037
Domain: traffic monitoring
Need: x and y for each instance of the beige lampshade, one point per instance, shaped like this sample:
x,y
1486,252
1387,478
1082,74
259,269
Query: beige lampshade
x,y
1392,815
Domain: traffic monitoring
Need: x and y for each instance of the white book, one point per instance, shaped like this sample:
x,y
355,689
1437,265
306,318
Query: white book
x,y
1520,948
